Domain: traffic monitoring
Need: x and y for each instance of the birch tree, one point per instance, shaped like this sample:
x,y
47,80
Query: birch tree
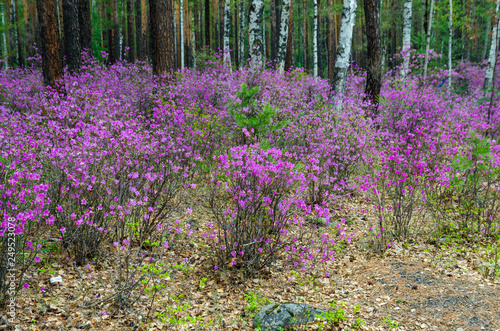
x,y
315,40
181,28
450,44
241,39
344,50
255,33
428,40
283,37
407,17
227,21
488,78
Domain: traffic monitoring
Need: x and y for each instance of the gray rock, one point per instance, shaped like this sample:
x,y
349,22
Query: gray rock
x,y
275,316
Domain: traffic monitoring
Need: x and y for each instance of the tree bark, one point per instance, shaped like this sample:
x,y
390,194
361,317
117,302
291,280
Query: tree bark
x,y
51,59
283,36
428,39
255,33
116,31
181,29
138,31
207,24
111,36
9,47
289,42
374,50
161,23
344,50
72,35
227,23
131,26
275,33
241,38
492,60
20,43
315,39
102,12
450,46
407,17
331,41
304,32
85,25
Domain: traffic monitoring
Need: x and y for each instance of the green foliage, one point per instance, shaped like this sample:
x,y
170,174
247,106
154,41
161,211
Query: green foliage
x,y
255,302
250,114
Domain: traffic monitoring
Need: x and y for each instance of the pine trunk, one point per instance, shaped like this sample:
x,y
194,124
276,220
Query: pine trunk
x,y
116,31
20,43
255,33
85,25
111,36
283,37
344,50
428,39
407,17
289,43
161,21
138,30
490,69
274,32
72,35
130,26
374,50
207,24
51,59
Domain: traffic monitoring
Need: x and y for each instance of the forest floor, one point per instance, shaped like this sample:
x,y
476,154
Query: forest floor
x,y
417,286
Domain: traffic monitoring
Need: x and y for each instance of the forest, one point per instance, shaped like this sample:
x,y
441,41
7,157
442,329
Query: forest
x,y
249,165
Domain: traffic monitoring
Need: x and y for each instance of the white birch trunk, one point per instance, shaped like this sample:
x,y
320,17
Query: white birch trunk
x,y
181,23
407,16
227,55
4,48
315,40
450,44
241,39
344,50
488,78
264,42
255,33
428,41
283,38
485,49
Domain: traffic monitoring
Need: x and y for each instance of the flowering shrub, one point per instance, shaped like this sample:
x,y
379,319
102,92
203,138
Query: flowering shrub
x,y
253,199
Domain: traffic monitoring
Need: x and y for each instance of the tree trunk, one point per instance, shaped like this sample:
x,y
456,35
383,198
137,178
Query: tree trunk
x,y
274,32
289,43
20,43
28,21
344,50
9,47
490,69
197,23
331,41
315,39
72,35
51,59
255,33
283,37
318,38
428,39
467,30
450,45
374,50
304,32
161,21
102,12
241,39
4,41
236,36
60,15
181,29
116,31
220,15
138,31
486,39
131,26
85,25
227,23
207,24
111,36
407,17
